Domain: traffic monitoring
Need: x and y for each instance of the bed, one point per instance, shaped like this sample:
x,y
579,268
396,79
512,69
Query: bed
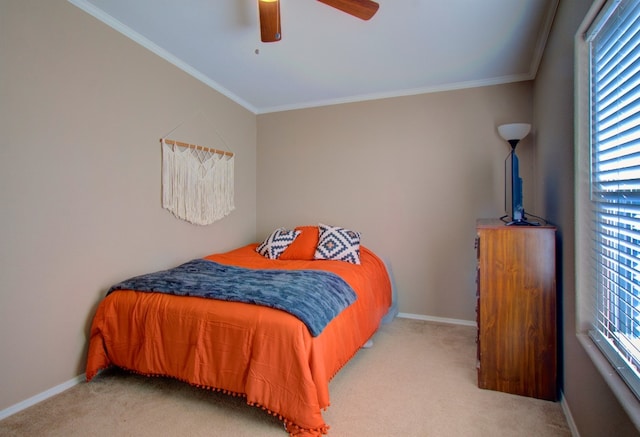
x,y
273,358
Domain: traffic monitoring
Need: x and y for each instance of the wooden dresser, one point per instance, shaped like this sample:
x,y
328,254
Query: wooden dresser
x,y
516,309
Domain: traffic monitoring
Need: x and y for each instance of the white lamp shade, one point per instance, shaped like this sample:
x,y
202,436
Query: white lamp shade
x,y
514,131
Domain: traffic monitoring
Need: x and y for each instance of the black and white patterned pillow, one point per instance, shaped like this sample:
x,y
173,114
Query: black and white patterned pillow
x,y
340,244
277,242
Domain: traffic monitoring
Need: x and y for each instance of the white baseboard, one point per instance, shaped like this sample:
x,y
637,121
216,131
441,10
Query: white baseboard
x,y
41,396
567,414
437,319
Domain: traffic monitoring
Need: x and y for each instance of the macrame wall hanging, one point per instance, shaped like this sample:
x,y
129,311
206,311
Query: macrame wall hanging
x,y
197,182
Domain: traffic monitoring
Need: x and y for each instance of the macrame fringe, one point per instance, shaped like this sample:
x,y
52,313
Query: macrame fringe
x,y
197,186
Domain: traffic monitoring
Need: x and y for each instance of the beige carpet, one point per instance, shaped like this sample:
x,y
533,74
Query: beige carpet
x,y
418,379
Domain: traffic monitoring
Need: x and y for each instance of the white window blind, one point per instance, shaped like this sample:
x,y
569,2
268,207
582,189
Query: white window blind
x,y
614,44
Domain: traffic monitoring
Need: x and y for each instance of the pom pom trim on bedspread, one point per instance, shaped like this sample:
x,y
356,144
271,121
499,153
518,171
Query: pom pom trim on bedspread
x,y
290,426
293,429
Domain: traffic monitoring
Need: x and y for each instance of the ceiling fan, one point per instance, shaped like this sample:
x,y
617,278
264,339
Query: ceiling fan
x,y
270,30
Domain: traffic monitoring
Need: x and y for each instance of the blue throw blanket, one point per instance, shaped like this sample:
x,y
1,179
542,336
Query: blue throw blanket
x,y
313,296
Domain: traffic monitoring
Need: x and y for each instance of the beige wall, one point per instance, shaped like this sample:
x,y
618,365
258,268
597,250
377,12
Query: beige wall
x,y
593,408
81,111
411,173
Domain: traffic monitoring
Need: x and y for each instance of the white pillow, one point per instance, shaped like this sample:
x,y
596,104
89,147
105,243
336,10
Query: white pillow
x,y
339,244
277,242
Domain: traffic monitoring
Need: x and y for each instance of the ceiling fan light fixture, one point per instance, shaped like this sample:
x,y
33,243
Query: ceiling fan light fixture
x,y
270,30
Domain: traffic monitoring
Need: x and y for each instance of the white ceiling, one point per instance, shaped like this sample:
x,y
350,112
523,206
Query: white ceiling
x,y
326,56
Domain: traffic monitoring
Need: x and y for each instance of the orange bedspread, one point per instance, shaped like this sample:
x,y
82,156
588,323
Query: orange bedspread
x,y
265,354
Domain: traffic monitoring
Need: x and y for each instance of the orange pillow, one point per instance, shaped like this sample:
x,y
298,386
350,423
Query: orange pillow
x,y
304,246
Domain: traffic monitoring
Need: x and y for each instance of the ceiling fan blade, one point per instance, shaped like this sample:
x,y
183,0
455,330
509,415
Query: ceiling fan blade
x,y
363,9
269,20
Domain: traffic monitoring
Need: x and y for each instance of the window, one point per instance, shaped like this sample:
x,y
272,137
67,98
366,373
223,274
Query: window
x,y
614,54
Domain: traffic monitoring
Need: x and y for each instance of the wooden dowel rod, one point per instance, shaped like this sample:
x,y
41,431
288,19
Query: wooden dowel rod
x,y
195,146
